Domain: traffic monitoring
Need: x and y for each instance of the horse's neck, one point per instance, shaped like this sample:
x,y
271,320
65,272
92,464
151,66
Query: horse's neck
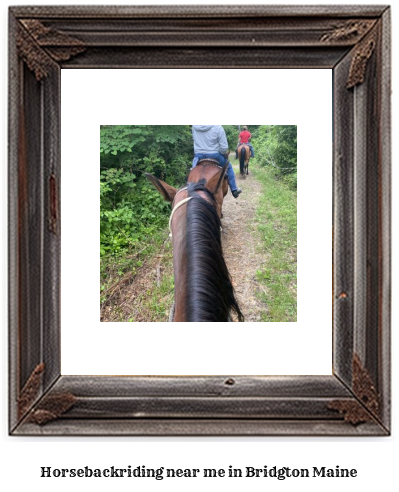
x,y
179,268
207,277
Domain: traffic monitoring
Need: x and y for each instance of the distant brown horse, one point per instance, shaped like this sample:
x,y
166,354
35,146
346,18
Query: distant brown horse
x,y
203,286
244,154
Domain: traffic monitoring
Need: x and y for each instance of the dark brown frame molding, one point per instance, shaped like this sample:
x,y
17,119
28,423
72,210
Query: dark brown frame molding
x,y
353,41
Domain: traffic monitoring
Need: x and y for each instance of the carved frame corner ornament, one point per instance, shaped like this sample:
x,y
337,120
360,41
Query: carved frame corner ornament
x,y
366,406
361,56
354,43
38,45
50,407
30,391
352,30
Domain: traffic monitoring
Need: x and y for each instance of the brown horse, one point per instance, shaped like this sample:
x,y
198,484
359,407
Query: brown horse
x,y
203,287
244,153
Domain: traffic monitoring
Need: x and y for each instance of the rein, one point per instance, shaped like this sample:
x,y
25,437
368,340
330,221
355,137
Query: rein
x,y
185,200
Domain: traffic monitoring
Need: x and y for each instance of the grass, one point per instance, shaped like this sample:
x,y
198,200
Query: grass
x,y
277,224
160,299
120,271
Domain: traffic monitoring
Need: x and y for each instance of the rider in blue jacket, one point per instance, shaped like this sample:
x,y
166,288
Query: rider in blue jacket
x,y
210,142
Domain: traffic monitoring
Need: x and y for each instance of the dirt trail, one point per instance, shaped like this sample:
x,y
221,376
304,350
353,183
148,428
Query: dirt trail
x,y
137,299
241,244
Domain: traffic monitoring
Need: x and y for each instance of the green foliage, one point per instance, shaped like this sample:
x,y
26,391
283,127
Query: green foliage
x,y
232,133
163,150
131,210
276,145
290,179
120,138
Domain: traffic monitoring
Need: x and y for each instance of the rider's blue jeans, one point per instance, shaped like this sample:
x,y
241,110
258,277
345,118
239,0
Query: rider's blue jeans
x,y
221,159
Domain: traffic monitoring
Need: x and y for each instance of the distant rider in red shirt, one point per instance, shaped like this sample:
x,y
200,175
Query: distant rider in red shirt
x,y
245,138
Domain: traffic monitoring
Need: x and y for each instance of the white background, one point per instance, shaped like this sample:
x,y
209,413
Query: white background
x,y
21,458
175,97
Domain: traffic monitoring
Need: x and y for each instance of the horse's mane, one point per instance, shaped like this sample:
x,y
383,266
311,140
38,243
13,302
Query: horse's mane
x,y
210,294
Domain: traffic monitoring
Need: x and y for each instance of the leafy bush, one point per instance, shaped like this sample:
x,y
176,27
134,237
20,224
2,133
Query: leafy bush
x,y
131,210
276,145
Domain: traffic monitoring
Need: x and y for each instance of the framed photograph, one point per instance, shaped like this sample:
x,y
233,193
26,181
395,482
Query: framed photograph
x,y
353,44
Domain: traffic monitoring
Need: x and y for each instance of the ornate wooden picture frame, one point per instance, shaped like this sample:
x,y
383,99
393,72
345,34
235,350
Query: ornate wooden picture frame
x,y
352,41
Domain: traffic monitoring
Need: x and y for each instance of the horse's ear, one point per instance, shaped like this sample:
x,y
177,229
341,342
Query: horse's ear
x,y
167,191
